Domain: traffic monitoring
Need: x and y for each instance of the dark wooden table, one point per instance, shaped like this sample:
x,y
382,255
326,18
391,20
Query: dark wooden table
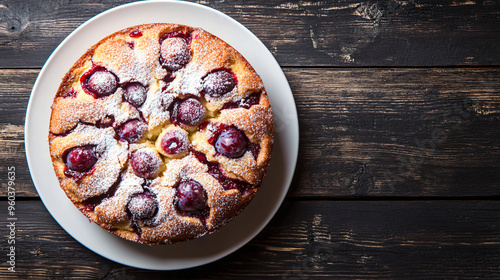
x,y
399,164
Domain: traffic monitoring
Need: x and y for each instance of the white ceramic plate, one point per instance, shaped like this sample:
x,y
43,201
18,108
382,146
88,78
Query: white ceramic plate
x,y
195,252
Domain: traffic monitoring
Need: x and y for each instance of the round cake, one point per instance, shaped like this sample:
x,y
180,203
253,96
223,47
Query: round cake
x,y
161,133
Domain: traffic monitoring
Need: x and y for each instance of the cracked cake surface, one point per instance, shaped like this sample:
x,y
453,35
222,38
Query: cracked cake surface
x,y
161,133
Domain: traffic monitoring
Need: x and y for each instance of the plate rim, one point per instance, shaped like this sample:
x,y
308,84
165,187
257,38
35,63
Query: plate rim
x,y
292,115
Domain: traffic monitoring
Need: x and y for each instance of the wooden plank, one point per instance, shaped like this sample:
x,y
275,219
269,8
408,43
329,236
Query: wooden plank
x,y
298,33
306,240
15,90
371,132
398,132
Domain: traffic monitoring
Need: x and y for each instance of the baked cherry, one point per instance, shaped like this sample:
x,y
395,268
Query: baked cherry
x,y
231,143
132,131
71,93
189,112
135,94
168,78
145,163
175,142
101,83
107,121
175,53
218,83
81,159
191,197
136,33
143,206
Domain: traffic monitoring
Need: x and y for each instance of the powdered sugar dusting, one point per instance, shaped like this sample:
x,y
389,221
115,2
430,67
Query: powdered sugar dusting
x,y
113,106
188,112
111,155
102,82
135,187
155,108
142,206
218,83
113,209
174,143
146,163
188,81
128,64
135,94
175,53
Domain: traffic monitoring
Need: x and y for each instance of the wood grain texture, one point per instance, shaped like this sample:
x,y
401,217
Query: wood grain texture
x,y
398,174
306,240
298,33
398,132
364,132
15,89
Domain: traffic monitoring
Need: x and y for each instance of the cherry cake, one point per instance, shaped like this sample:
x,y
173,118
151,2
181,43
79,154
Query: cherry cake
x,y
161,133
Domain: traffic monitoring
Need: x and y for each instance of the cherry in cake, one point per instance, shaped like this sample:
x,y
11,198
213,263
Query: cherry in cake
x,y
143,206
71,93
81,159
158,123
191,197
135,94
146,163
107,121
174,53
231,142
219,83
136,33
174,143
189,112
99,82
131,131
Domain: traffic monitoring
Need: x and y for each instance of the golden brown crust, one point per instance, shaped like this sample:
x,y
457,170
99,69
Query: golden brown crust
x,y
82,119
